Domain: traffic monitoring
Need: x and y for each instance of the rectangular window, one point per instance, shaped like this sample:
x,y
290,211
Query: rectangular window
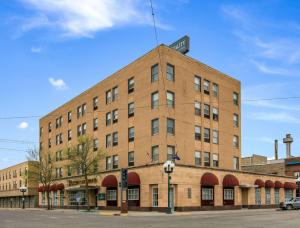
x,y
111,195
84,128
215,90
69,117
197,133
154,73
108,141
207,111
206,135
257,196
69,171
115,161
49,127
108,96
108,119
170,72
228,194
235,141
133,194
155,126
170,153
197,83
206,159
95,124
171,126
83,109
154,100
288,193
197,158
155,196
235,120
131,158
235,98
206,88
115,116
215,137
130,85
95,103
189,193
131,134
115,93
108,163
79,130
170,99
115,138
197,108
155,154
69,135
79,111
215,112
236,163
268,196
96,144
131,109
215,160
207,194
277,196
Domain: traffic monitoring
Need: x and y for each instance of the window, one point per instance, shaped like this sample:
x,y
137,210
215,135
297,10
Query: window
x,y
170,72
108,141
115,161
206,111
83,128
235,120
69,135
49,127
206,135
95,144
108,96
59,122
206,159
170,99
171,126
268,196
115,116
155,154
130,109
207,194
257,196
170,153
206,86
108,119
228,194
79,111
154,196
133,194
154,73
235,141
115,138
115,93
69,117
235,98
41,131
111,195
197,133
235,163
197,158
130,85
95,124
154,100
215,90
69,171
288,193
189,193
131,134
296,174
95,103
79,130
83,109
215,112
59,155
197,83
197,108
131,158
215,137
277,196
108,163
154,127
215,160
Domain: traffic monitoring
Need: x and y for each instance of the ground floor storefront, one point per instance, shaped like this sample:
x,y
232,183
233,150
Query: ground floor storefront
x,y
17,202
192,188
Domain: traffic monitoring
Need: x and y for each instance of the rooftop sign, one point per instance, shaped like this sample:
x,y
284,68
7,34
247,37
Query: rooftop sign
x,y
182,45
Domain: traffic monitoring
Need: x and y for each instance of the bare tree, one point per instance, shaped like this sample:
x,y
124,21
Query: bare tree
x,y
42,170
86,157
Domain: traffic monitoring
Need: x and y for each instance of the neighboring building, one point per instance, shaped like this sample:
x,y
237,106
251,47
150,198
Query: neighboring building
x,y
14,177
162,104
292,168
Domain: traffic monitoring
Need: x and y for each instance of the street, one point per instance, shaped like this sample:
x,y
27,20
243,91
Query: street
x,y
73,219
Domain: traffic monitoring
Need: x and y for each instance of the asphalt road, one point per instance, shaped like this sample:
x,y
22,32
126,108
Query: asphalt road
x,y
74,219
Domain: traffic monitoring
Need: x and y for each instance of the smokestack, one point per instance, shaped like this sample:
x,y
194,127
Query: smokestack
x,y
276,149
288,142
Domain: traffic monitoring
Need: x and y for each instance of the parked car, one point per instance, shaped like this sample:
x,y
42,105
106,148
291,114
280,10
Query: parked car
x,y
293,203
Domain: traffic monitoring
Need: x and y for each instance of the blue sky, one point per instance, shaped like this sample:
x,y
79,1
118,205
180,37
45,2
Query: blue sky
x,y
52,50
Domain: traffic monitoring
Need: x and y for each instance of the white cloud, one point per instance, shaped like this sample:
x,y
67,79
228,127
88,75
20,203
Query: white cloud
x,y
58,84
23,125
79,18
274,70
36,49
276,117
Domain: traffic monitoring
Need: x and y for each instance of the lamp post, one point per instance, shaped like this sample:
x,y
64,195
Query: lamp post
x,y
23,190
168,167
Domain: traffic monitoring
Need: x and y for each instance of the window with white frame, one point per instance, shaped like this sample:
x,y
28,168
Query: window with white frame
x,y
235,120
235,141
206,86
154,73
111,195
197,158
215,112
235,98
215,137
155,126
170,153
206,135
130,85
133,194
197,108
108,140
115,93
268,196
131,109
215,160
95,103
171,126
108,163
108,118
108,96
95,124
197,83
215,90
207,193
206,111
228,194
115,116
131,134
170,72
277,195
115,139
155,154
154,100
288,193
197,133
257,196
206,159
154,196
235,163
131,158
170,99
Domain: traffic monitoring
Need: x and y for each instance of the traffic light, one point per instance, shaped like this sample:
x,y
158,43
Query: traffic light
x,y
124,177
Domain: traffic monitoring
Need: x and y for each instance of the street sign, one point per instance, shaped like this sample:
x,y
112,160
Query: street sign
x,y
182,45
101,196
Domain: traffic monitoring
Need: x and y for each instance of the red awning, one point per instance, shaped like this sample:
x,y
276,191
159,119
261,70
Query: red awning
x,y
230,181
269,184
278,184
53,187
290,185
260,183
133,179
209,179
41,189
110,181
60,186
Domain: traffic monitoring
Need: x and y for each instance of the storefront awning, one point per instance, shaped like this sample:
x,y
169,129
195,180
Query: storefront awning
x,y
290,185
80,187
259,183
209,179
230,181
278,184
269,184
247,186
133,179
110,181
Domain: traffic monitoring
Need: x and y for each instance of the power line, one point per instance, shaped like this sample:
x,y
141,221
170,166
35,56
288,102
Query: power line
x,y
12,149
17,141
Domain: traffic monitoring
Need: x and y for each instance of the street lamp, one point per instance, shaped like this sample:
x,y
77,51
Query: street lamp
x,y
168,167
23,190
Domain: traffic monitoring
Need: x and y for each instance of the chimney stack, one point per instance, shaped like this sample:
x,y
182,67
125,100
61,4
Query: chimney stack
x,y
276,149
288,142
